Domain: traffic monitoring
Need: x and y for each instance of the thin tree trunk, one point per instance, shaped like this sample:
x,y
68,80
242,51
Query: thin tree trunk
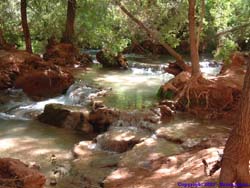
x,y
192,34
235,162
25,26
155,36
201,23
3,42
69,27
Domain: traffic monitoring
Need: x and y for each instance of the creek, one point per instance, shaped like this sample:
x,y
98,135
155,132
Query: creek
x,y
26,139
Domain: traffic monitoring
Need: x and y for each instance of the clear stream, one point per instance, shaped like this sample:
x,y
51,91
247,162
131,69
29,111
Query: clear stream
x,y
28,140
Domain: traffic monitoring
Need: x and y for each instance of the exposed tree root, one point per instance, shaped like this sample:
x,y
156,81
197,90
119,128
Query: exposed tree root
x,y
215,96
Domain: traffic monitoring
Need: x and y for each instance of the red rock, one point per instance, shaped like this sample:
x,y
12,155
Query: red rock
x,y
14,173
44,84
38,78
65,54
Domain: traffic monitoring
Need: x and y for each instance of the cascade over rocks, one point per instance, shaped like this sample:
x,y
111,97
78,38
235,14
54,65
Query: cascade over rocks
x,y
14,173
100,118
39,79
65,54
118,61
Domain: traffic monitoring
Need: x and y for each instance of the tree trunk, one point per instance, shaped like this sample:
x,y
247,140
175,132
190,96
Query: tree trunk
x,y
235,161
155,36
25,26
69,28
192,35
3,42
201,23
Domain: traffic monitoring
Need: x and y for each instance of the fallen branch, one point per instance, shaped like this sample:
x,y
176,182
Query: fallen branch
x,y
232,30
155,36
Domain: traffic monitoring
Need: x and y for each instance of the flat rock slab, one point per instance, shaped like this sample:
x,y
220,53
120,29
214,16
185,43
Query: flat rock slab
x,y
121,139
144,154
90,167
170,172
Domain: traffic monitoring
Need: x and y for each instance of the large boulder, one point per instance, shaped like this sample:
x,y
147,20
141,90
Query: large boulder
x,y
14,173
44,84
66,117
109,61
39,79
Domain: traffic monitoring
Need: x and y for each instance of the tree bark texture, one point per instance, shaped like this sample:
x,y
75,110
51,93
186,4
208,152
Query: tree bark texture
x,y
25,26
193,40
235,161
68,34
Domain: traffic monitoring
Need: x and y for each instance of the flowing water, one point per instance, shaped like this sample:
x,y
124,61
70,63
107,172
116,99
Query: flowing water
x,y
29,140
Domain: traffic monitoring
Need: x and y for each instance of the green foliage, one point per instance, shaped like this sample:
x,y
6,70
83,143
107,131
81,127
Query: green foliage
x,y
101,24
225,15
165,95
224,51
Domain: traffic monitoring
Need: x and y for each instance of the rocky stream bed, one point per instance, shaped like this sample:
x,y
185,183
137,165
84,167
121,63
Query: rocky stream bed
x,y
108,130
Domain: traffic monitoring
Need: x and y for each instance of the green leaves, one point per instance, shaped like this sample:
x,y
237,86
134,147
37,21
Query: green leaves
x,y
101,24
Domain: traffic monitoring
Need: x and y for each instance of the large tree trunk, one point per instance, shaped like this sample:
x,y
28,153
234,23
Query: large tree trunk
x,y
155,36
235,162
193,41
201,23
69,28
25,26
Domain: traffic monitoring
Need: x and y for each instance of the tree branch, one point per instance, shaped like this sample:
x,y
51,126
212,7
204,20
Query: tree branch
x,y
154,35
232,30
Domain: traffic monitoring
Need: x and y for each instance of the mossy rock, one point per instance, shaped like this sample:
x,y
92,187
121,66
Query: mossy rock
x,y
165,94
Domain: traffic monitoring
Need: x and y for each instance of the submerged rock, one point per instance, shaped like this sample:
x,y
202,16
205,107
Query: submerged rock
x,y
170,134
121,139
145,154
90,167
14,173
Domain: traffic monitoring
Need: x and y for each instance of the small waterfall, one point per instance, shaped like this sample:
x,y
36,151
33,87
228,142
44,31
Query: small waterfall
x,y
16,105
